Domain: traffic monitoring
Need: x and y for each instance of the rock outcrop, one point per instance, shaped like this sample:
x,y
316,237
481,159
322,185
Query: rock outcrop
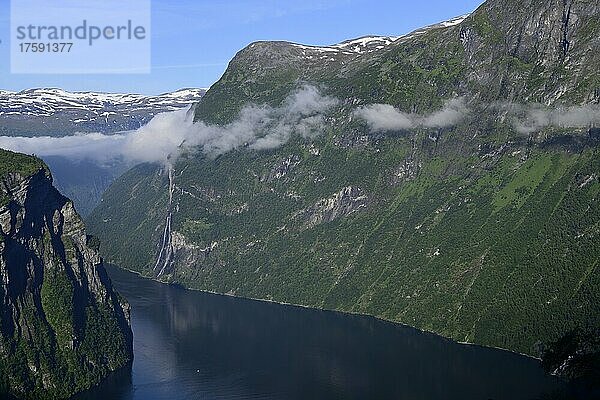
x,y
348,200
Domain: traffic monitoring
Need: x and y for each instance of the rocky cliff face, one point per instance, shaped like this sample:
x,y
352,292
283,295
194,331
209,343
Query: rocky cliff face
x,y
62,326
479,230
533,50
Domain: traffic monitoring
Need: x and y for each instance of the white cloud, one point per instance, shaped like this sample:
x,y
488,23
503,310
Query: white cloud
x,y
385,117
452,113
157,139
94,146
265,127
532,118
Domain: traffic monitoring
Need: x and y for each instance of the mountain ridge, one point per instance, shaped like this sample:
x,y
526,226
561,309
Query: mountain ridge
x,y
351,46
56,112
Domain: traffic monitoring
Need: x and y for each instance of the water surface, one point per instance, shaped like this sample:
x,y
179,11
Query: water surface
x,y
194,345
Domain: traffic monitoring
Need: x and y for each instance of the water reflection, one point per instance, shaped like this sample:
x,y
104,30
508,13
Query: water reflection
x,y
191,345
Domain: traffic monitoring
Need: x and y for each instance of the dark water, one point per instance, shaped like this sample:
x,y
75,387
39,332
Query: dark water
x,y
192,345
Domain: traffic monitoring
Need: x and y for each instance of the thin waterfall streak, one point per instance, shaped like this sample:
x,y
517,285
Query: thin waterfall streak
x,y
166,250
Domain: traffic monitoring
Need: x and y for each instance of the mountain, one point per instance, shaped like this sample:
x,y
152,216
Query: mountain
x,y
55,112
452,183
62,326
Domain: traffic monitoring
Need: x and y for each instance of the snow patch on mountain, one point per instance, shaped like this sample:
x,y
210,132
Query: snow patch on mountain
x,y
47,102
367,44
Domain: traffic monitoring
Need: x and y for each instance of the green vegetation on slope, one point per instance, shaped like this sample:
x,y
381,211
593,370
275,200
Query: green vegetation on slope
x,y
17,163
501,252
475,232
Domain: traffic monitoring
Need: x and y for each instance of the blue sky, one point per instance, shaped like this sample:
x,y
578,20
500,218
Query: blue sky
x,y
192,40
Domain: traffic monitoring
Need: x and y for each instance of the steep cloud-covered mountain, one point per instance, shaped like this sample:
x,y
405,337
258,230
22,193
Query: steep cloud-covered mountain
x,y
451,182
55,112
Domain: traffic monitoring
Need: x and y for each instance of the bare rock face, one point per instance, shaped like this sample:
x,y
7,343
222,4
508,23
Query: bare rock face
x,y
348,200
188,254
62,326
533,50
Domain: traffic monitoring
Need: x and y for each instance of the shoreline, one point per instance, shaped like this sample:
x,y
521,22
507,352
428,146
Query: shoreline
x,y
351,313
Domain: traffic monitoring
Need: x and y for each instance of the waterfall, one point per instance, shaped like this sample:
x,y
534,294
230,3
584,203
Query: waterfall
x,y
166,249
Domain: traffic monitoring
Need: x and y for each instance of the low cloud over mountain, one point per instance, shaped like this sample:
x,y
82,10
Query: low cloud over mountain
x,y
257,127
384,117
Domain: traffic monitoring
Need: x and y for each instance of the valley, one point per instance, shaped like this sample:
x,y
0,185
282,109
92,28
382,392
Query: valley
x,y
391,216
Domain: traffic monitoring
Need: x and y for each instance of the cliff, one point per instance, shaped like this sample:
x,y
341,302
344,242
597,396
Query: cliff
x,y
62,326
